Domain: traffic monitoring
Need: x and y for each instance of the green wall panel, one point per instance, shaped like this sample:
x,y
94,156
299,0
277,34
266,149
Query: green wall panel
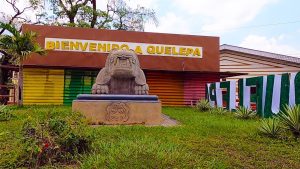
x,y
77,82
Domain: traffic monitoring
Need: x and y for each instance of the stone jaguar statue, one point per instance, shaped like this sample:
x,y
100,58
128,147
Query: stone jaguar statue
x,y
121,75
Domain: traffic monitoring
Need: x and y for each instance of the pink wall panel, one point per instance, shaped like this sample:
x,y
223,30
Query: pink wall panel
x,y
194,86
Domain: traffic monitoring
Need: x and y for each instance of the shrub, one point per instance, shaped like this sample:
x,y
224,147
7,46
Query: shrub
x,y
270,127
5,113
203,105
53,140
219,110
244,113
290,118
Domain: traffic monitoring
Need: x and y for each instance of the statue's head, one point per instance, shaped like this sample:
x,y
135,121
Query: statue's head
x,y
122,63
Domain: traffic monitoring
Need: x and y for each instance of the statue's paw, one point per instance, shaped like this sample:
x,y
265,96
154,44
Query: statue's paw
x,y
99,89
141,89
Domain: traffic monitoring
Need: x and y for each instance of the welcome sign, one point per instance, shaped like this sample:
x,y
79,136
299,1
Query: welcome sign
x,y
269,93
79,45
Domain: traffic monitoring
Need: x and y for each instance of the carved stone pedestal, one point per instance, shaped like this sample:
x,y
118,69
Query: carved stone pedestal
x,y
119,109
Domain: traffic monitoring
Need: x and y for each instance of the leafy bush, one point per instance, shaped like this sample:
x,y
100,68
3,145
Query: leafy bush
x,y
270,127
53,140
203,105
244,113
290,118
5,113
219,110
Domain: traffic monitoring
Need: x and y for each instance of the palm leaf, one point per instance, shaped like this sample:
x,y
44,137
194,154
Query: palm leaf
x,y
18,45
10,29
244,113
203,105
290,118
270,127
38,49
219,110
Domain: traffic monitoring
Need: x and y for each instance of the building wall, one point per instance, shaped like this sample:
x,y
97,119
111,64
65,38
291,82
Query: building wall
x,y
194,86
253,65
61,86
43,86
208,61
168,86
77,82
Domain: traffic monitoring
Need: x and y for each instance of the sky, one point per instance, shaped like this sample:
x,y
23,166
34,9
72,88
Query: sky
x,y
267,25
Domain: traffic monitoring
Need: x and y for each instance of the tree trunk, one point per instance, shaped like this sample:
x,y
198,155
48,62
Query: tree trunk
x,y
94,19
20,83
1,76
72,19
1,88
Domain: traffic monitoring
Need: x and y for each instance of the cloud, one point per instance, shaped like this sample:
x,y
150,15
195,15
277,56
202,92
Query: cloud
x,y
217,15
273,44
170,22
153,4
6,11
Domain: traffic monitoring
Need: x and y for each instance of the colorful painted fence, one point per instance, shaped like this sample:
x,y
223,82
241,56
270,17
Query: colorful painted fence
x,y
54,86
43,86
269,93
77,82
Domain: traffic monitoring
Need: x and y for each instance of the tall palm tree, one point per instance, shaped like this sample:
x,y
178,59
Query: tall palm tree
x,y
19,46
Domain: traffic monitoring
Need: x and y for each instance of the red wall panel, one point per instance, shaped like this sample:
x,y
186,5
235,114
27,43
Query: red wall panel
x,y
194,86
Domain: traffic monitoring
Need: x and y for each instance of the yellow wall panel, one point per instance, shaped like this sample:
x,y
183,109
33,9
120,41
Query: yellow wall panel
x,y
43,86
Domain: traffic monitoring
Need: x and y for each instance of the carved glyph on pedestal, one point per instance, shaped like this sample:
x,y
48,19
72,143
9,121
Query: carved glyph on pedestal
x,y
117,112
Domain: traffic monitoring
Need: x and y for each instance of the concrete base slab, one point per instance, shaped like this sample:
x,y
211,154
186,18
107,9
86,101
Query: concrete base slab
x,y
120,111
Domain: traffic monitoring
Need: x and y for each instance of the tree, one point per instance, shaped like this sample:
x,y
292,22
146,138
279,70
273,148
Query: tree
x,y
65,12
83,13
18,46
126,18
17,18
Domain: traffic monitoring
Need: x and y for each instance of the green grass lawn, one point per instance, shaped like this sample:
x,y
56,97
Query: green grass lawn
x,y
202,140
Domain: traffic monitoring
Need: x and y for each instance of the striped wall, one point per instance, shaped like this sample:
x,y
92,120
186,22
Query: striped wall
x,y
43,86
168,86
77,82
253,66
53,86
194,86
